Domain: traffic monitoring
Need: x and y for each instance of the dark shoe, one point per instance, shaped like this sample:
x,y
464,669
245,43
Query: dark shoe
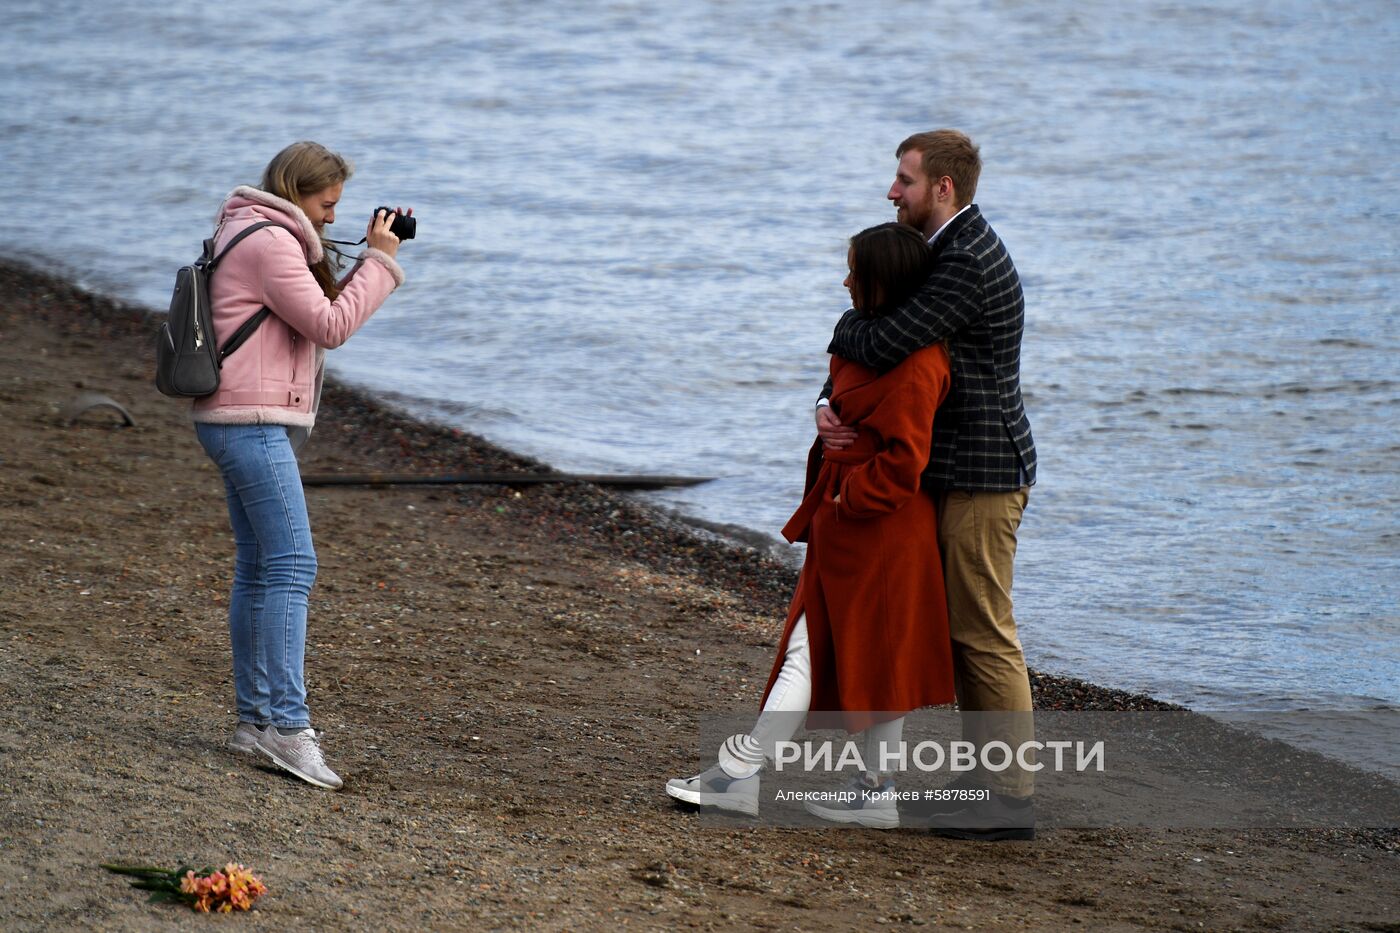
x,y
958,794
997,818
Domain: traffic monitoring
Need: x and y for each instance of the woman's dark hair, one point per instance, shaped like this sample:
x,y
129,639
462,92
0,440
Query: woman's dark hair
x,y
888,264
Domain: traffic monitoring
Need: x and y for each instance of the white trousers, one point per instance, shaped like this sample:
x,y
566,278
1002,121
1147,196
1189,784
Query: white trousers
x,y
785,710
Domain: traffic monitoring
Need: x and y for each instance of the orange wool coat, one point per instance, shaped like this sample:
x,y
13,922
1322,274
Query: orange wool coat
x,y
872,584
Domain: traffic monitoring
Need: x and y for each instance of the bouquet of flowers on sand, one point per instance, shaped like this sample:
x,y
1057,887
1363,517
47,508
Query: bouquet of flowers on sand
x,y
231,888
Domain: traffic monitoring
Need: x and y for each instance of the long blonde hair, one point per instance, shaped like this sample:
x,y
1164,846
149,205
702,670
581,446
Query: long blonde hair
x,y
301,169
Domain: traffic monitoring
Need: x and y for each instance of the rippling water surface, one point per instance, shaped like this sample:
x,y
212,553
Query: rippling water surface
x,y
633,221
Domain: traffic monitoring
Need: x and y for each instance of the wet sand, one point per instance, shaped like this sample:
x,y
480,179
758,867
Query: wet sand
x,y
505,679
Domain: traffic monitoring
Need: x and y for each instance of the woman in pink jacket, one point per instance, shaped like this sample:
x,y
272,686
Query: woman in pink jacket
x,y
267,398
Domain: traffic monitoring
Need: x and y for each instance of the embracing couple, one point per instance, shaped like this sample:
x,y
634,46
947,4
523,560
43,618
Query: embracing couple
x,y
915,492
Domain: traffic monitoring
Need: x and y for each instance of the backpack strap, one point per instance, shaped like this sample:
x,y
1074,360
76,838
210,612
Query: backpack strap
x,y
245,330
238,239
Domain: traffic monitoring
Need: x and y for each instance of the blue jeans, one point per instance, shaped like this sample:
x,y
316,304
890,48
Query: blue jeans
x,y
273,569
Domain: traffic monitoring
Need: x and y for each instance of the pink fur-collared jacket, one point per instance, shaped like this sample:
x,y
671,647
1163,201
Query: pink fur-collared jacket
x,y
275,376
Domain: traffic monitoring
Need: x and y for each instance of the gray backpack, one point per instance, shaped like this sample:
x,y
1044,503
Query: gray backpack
x,y
187,362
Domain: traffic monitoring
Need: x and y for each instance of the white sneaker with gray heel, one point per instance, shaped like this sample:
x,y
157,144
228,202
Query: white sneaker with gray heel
x,y
863,802
299,753
713,788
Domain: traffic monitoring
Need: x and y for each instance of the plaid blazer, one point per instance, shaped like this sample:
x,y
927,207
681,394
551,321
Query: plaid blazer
x,y
973,302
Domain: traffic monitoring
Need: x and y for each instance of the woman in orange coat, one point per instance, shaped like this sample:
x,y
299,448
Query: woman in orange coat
x,y
867,632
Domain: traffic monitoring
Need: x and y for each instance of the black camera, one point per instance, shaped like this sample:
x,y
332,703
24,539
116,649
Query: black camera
x,y
404,226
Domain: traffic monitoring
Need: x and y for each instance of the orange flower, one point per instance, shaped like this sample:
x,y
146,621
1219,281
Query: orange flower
x,y
218,884
243,886
189,884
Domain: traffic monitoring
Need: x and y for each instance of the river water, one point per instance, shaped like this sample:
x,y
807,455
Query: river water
x,y
632,238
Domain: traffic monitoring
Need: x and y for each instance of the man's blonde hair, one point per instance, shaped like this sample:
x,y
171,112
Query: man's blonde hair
x,y
951,153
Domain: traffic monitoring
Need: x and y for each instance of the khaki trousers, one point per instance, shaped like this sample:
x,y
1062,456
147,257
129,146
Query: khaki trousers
x,y
977,537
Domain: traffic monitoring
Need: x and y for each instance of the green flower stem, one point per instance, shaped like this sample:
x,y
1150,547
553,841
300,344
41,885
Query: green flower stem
x,y
136,869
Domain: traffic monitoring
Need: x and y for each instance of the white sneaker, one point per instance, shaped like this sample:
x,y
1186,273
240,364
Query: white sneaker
x,y
244,739
861,803
300,754
714,788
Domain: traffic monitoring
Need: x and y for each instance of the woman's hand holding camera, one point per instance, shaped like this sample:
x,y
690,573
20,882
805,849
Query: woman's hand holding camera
x,y
380,234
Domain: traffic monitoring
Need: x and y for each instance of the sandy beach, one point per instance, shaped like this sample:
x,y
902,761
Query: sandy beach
x,y
505,677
